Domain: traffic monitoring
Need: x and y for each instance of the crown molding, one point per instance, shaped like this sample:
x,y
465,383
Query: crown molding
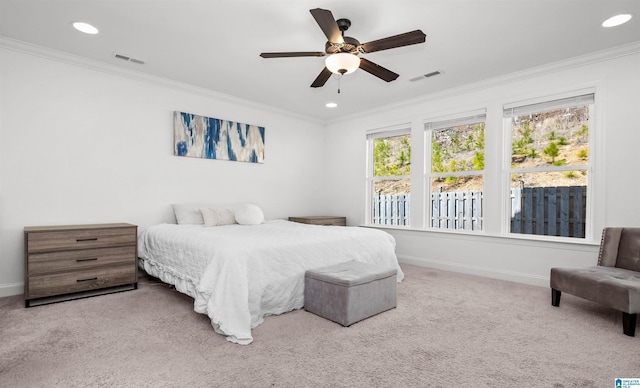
x,y
550,68
76,60
72,59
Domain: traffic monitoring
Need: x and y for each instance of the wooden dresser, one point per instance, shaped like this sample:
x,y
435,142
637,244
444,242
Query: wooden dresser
x,y
321,220
76,261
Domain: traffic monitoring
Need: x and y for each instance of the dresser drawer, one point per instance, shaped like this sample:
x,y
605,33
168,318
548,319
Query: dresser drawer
x,y
79,239
65,261
77,281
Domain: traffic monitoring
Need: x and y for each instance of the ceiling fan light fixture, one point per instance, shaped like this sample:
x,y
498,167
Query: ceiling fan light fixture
x,y
342,63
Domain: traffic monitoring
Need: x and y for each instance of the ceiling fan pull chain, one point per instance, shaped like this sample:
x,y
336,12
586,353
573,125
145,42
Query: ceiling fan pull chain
x,y
339,78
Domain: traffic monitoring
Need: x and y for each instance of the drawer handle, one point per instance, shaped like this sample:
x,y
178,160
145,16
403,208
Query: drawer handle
x,y
87,239
89,259
86,280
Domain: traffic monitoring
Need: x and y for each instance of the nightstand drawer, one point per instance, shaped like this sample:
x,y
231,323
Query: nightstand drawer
x,y
80,239
76,281
65,261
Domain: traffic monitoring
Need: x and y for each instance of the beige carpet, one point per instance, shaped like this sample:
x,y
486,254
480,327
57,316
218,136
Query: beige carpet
x,y
449,330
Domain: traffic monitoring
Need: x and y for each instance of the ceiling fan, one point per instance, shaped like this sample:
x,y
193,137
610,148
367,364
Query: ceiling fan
x,y
343,50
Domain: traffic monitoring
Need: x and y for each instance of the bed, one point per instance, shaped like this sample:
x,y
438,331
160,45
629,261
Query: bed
x,y
238,274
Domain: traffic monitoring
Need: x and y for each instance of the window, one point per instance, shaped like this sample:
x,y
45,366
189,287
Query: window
x,y
389,177
454,172
549,166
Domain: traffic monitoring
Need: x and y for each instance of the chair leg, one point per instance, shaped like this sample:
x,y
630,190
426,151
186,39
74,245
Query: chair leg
x,y
555,297
629,324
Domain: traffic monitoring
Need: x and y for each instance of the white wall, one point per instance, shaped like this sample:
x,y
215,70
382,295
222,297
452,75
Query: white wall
x,y
82,145
616,79
79,145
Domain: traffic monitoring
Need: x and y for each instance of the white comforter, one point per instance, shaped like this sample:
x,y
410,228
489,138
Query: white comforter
x,y
239,274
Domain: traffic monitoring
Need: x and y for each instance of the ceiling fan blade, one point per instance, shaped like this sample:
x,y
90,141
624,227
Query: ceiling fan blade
x,y
406,39
328,24
293,54
377,70
322,78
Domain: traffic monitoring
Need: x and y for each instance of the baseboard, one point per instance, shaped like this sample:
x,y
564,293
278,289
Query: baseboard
x,y
518,277
11,289
493,273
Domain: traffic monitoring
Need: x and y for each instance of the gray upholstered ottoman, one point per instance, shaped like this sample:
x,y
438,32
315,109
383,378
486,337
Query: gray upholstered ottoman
x,y
349,292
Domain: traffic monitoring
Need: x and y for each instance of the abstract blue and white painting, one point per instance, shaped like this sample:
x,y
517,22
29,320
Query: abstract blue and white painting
x,y
207,137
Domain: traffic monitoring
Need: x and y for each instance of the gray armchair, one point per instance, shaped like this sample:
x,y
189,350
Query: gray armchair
x,y
614,282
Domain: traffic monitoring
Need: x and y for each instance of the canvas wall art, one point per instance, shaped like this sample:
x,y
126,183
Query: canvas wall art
x,y
206,137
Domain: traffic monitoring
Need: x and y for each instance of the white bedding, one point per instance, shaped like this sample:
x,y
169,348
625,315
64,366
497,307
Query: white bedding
x,y
238,274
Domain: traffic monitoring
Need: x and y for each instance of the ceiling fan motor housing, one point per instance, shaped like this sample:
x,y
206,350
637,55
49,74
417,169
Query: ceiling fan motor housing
x,y
349,46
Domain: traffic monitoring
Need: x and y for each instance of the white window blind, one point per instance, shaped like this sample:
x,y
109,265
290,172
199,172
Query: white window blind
x,y
376,134
510,110
479,118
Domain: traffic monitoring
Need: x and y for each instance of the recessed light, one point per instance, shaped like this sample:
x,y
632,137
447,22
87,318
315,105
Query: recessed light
x,y
85,27
331,105
617,20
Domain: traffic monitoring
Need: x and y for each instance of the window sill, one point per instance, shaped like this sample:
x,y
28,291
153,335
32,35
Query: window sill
x,y
520,239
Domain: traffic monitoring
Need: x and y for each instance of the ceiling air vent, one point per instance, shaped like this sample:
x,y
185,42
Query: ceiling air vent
x,y
418,78
128,59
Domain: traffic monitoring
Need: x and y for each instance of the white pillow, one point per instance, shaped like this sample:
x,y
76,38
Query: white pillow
x,y
188,214
249,214
217,216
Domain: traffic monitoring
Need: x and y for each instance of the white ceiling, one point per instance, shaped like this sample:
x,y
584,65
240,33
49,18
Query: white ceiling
x,y
216,44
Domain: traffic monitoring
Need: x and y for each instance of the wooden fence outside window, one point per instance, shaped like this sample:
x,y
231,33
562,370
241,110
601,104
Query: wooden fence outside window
x,y
550,211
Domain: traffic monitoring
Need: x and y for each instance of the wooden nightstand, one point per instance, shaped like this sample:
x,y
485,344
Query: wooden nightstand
x,y
321,220
76,261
